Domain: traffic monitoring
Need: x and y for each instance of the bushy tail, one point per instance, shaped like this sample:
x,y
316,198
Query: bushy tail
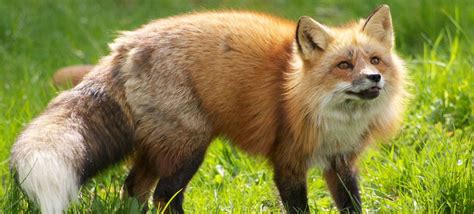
x,y
47,178
82,132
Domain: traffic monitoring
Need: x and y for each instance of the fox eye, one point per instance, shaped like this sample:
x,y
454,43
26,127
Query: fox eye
x,y
375,60
344,65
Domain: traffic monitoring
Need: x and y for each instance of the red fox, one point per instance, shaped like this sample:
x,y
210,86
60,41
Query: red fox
x,y
300,94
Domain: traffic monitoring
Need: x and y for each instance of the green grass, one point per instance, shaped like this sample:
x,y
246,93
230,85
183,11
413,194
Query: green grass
x,y
427,168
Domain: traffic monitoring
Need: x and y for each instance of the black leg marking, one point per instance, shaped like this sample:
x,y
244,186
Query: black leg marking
x,y
291,184
176,184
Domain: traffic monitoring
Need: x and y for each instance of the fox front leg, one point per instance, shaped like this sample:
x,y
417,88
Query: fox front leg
x,y
291,183
341,178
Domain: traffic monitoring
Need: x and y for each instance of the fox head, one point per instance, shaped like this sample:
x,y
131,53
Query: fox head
x,y
354,62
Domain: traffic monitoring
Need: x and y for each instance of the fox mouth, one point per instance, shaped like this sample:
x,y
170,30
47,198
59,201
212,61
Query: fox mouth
x,y
367,94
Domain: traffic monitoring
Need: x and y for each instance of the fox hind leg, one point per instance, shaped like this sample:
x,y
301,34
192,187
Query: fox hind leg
x,y
170,172
172,149
173,130
139,182
171,188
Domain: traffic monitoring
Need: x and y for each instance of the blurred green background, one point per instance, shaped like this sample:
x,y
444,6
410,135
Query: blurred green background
x,y
427,168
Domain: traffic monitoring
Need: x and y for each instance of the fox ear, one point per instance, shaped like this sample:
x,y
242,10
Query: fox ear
x,y
379,25
311,37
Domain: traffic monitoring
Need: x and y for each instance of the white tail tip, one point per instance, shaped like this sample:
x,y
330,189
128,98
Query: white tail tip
x,y
48,179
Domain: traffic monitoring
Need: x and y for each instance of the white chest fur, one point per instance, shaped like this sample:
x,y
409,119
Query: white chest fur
x,y
341,129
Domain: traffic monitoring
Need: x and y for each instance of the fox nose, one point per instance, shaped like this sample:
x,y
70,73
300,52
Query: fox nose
x,y
374,77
